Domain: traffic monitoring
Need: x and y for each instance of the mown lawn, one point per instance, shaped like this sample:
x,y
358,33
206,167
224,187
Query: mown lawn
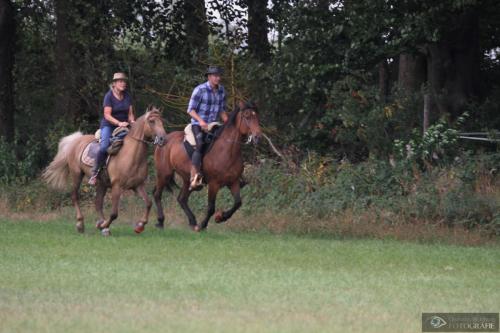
x,y
54,280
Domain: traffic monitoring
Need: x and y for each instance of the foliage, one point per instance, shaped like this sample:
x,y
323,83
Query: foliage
x,y
438,144
463,193
23,168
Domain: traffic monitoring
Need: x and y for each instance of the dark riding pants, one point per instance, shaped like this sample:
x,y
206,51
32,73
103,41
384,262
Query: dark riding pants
x,y
199,137
106,132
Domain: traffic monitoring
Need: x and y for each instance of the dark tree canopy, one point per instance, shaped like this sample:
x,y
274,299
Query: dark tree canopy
x,y
341,77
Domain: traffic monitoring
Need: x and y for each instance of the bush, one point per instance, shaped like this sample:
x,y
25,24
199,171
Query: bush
x,y
21,161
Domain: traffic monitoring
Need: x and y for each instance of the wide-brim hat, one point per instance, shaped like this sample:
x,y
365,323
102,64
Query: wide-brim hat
x,y
214,70
119,76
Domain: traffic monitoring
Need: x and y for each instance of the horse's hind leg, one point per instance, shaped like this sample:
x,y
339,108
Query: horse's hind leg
x,y
226,215
75,197
144,220
183,199
213,189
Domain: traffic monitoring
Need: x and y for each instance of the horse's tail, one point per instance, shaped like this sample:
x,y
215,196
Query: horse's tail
x,y
56,174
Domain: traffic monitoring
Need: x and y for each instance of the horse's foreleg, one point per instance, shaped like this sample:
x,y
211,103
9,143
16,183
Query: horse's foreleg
x,y
157,194
139,227
75,198
183,199
226,215
99,200
213,189
116,193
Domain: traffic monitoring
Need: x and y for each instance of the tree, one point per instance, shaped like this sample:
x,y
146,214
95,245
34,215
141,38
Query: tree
x,y
258,42
66,68
196,27
83,52
7,35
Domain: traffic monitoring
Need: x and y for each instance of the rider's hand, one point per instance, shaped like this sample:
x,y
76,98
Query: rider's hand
x,y
122,124
204,125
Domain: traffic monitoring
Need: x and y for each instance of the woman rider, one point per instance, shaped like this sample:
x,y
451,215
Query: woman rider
x,y
118,112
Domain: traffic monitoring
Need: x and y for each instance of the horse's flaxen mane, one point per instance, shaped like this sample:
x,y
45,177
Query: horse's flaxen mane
x,y
151,112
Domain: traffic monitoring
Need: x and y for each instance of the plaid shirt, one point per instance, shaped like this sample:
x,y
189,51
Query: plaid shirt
x,y
207,103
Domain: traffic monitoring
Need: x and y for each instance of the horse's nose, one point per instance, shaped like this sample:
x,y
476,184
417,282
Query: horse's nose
x,y
256,138
160,140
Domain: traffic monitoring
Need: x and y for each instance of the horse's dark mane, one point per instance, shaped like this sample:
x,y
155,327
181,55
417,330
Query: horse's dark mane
x,y
232,117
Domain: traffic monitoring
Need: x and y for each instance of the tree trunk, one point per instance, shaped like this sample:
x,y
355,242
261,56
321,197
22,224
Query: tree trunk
x,y
258,43
412,71
427,106
196,26
7,40
453,67
65,69
383,80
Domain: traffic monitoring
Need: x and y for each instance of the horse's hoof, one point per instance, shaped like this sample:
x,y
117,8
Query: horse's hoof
x,y
98,224
196,228
105,232
219,217
159,225
139,227
80,227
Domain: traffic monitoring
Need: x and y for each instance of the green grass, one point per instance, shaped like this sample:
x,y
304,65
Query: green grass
x,y
54,280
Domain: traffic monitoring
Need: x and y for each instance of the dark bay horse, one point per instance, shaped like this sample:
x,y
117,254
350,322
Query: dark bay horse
x,y
127,169
222,165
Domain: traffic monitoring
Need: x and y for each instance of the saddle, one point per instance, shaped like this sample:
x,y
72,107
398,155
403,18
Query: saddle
x,y
213,133
89,154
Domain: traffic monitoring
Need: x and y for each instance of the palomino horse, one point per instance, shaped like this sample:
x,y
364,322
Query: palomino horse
x,y
127,169
222,165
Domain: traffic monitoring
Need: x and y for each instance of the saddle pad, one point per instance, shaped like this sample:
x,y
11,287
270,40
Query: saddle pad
x,y
89,154
189,136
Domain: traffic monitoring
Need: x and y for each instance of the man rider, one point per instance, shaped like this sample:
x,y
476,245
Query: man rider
x,y
207,103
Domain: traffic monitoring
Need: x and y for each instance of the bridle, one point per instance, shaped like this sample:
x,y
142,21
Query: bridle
x,y
156,142
250,137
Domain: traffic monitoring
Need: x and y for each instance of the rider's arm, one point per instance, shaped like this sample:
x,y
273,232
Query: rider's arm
x,y
131,116
194,104
224,117
111,119
223,113
195,115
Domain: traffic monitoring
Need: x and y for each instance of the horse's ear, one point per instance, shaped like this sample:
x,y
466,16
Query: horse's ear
x,y
252,105
148,108
241,104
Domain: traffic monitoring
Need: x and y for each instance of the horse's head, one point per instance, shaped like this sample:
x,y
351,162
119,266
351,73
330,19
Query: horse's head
x,y
247,121
153,126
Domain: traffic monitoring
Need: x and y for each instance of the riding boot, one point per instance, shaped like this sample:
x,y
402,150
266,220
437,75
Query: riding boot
x,y
196,176
97,168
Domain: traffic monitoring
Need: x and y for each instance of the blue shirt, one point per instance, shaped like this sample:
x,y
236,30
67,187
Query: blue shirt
x,y
119,108
207,102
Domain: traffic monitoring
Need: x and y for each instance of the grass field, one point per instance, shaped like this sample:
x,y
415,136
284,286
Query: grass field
x,y
54,280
